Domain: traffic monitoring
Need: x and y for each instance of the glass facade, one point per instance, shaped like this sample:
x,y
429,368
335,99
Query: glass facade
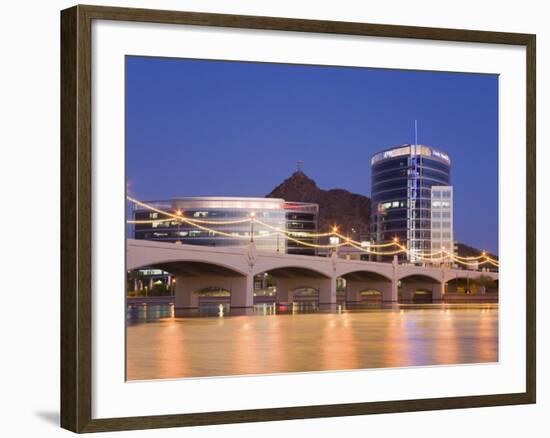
x,y
225,221
402,179
301,221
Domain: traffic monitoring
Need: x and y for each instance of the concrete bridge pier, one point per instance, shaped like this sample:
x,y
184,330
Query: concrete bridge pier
x,y
327,291
242,292
438,292
284,290
394,297
184,293
353,290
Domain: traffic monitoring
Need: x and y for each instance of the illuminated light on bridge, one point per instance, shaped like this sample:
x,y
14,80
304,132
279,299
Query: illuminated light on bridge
x,y
426,256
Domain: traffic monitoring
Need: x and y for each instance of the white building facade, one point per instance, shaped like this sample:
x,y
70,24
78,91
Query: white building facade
x,y
442,236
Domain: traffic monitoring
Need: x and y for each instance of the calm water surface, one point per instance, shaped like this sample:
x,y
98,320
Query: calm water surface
x,y
217,342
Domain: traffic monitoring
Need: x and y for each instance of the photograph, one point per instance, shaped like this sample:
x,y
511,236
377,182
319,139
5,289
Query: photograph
x,y
275,218
291,218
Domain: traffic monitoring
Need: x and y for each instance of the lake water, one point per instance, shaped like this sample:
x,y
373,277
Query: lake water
x,y
217,342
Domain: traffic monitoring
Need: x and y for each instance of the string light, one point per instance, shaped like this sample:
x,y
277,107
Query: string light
x,y
197,224
432,257
371,245
183,218
475,261
316,245
481,260
290,232
383,253
149,221
482,256
192,222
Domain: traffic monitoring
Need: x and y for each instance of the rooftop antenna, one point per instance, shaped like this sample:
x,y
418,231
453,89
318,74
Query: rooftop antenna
x,y
299,164
416,192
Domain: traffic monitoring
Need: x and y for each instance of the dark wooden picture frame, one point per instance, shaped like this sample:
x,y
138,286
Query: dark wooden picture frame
x,y
76,225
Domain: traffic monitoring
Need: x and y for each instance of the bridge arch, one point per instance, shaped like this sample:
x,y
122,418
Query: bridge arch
x,y
290,280
187,272
379,272
420,288
190,264
285,267
141,253
428,276
467,283
365,275
359,281
195,275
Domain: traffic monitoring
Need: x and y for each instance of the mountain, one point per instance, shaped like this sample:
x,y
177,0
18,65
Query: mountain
x,y
350,211
469,251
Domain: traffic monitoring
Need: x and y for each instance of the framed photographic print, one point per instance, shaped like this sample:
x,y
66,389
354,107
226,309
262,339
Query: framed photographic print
x,y
269,218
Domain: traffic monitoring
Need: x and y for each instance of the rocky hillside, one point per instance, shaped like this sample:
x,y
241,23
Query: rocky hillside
x,y
469,251
350,211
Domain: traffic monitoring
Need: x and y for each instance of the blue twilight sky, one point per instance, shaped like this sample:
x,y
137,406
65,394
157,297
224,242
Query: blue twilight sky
x,y
201,127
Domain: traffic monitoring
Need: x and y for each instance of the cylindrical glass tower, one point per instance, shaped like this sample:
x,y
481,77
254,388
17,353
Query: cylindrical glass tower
x,y
402,178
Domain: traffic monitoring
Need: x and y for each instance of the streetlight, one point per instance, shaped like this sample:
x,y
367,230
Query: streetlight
x,y
395,242
334,240
178,221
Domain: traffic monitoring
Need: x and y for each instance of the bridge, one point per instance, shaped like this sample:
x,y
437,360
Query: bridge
x,y
233,269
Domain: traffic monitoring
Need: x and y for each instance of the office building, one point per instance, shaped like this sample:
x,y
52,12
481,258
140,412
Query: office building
x,y
402,179
226,221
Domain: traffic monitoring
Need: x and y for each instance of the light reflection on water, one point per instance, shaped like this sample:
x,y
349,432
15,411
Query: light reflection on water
x,y
216,340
